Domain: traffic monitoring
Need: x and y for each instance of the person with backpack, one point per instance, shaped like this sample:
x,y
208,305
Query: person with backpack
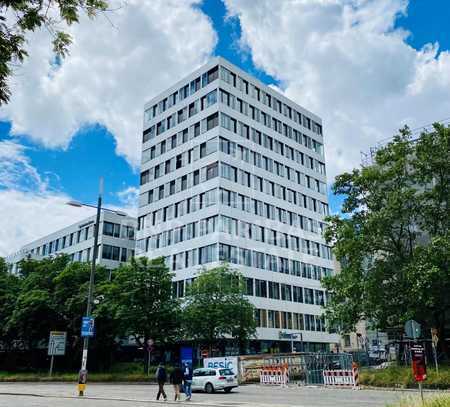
x,y
161,378
187,380
176,378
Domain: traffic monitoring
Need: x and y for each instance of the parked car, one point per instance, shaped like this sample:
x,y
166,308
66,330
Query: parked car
x,y
210,380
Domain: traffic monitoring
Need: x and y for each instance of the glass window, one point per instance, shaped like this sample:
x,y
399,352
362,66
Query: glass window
x,y
212,171
249,286
309,296
207,254
286,292
260,288
297,294
110,252
274,290
212,121
123,255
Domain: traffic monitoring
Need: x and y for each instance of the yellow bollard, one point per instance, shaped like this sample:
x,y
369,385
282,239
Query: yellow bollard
x,y
82,378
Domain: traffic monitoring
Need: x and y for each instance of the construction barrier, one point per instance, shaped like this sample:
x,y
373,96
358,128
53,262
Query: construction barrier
x,y
303,367
274,375
345,378
355,371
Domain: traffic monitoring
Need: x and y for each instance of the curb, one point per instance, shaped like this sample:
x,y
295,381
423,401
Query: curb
x,y
406,389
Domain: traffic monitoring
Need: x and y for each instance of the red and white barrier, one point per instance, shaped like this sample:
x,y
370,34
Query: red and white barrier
x,y
274,375
346,378
355,371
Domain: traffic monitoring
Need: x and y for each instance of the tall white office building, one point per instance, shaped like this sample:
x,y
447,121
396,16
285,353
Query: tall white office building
x,y
233,171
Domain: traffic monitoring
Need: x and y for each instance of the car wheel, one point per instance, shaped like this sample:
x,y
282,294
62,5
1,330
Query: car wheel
x,y
227,389
209,388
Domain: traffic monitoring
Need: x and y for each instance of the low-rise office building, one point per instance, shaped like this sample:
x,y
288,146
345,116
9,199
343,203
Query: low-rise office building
x,y
116,242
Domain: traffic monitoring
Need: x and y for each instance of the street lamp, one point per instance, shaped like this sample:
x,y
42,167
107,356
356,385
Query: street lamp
x,y
78,204
83,371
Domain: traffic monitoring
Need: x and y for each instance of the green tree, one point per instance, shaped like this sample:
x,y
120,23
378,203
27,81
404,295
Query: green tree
x,y
140,299
393,238
9,289
52,295
215,307
35,311
70,292
19,17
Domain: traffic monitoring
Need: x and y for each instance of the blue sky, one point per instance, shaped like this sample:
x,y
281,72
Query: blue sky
x,y
74,169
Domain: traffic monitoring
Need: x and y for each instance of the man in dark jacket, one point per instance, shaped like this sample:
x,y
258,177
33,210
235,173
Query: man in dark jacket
x,y
161,378
176,378
187,380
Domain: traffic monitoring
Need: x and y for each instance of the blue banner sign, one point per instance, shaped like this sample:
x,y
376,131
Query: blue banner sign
x,y
87,326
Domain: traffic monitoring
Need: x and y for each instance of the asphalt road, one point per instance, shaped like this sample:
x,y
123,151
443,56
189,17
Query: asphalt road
x,y
127,395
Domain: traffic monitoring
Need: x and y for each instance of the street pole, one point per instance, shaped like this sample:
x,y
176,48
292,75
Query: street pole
x,y
83,371
435,357
51,366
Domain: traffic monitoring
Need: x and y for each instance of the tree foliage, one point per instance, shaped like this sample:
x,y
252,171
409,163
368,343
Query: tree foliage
x,y
215,307
140,300
51,294
393,239
9,289
21,16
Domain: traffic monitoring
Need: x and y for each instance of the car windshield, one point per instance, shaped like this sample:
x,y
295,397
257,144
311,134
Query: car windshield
x,y
226,372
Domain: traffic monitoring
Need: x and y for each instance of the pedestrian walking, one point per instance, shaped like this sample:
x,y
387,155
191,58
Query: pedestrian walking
x,y
176,378
161,378
187,380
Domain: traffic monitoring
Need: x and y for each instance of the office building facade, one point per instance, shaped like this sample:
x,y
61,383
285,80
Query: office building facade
x,y
116,242
233,171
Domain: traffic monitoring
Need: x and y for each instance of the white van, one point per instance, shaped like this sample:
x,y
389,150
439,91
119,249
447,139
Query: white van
x,y
210,380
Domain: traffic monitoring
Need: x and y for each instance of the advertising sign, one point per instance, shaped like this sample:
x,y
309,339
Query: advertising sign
x,y
225,362
418,363
57,343
87,326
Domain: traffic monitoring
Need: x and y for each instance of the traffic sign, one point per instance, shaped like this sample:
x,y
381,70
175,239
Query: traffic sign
x,y
412,329
87,326
419,366
57,343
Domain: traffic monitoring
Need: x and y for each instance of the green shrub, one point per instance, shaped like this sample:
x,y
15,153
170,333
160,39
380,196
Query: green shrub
x,y
396,376
120,372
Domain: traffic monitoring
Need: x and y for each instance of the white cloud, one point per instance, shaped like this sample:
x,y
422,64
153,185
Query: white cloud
x,y
29,208
129,199
15,168
345,61
116,63
31,215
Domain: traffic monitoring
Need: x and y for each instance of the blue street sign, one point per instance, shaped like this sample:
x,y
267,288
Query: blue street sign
x,y
186,355
87,326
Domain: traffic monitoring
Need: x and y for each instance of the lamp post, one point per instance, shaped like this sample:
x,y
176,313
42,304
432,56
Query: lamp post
x,y
83,371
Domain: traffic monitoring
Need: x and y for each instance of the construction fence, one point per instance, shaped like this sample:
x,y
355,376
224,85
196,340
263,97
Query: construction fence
x,y
303,368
